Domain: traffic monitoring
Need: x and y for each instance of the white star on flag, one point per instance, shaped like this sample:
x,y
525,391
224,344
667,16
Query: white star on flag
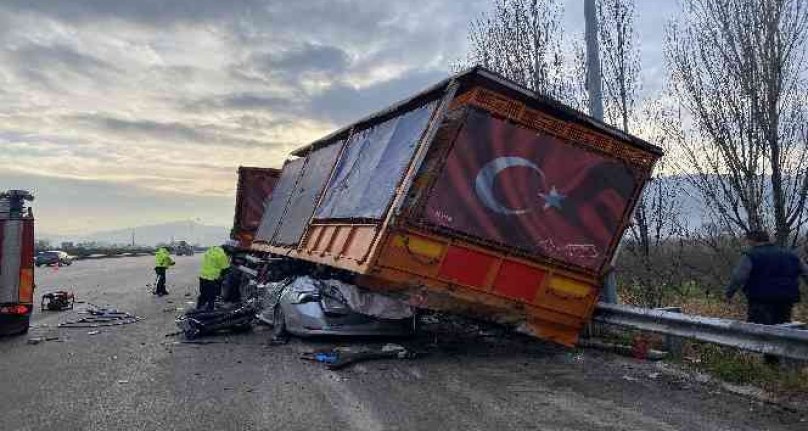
x,y
553,199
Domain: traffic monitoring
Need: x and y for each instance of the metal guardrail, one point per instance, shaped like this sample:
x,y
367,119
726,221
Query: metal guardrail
x,y
773,340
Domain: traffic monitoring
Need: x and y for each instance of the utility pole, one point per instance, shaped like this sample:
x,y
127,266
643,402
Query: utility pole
x,y
593,85
593,77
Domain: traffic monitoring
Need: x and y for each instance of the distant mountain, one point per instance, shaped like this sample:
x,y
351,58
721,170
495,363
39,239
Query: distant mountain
x,y
192,232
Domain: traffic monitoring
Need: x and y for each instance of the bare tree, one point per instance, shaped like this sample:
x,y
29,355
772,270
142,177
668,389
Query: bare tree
x,y
620,66
620,60
656,241
739,68
522,40
656,216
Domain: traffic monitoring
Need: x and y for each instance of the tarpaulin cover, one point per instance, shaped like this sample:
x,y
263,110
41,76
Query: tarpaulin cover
x,y
277,202
254,187
305,195
510,185
373,164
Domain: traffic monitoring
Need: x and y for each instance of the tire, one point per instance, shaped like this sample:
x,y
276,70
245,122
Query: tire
x,y
15,327
278,323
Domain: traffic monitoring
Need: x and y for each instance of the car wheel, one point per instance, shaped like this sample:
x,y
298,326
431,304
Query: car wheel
x,y
278,322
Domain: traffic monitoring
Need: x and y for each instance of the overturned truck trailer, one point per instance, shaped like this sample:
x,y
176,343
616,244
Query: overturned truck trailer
x,y
475,196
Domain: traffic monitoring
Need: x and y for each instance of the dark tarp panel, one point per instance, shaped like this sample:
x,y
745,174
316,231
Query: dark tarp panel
x,y
304,198
510,185
277,202
372,166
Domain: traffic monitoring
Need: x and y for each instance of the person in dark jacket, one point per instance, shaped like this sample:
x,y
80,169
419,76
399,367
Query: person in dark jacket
x,y
769,277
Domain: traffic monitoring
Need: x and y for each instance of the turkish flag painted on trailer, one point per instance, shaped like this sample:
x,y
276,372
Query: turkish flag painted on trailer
x,y
532,191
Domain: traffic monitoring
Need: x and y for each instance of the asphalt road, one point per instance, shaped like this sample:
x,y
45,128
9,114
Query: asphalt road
x,y
134,377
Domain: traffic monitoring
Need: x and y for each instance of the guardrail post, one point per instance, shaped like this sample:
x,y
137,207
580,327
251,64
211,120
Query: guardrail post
x,y
673,344
788,364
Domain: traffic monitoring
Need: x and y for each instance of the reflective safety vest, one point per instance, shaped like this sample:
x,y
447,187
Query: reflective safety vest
x,y
214,261
162,259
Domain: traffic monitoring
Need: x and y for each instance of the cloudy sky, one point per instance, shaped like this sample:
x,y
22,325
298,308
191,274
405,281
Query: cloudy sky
x,y
131,112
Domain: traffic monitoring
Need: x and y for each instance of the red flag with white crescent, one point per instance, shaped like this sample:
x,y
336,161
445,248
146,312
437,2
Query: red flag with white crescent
x,y
532,191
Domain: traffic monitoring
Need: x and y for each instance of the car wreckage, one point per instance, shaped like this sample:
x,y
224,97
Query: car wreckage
x,y
304,306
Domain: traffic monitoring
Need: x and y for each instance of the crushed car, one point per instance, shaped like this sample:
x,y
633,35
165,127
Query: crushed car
x,y
305,306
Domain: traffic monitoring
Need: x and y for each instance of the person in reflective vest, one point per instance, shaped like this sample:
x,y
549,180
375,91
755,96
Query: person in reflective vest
x,y
214,261
162,260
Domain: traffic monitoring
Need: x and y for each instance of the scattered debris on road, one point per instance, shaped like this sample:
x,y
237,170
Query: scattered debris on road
x,y
341,357
101,317
196,323
37,340
643,352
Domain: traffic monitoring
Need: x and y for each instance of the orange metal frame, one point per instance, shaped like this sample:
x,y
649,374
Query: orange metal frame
x,y
432,268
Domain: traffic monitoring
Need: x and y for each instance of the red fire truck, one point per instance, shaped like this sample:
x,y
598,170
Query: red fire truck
x,y
16,262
